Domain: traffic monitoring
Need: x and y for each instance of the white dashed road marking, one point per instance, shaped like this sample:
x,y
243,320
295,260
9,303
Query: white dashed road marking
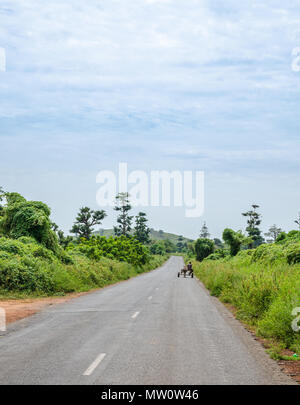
x,y
95,364
135,315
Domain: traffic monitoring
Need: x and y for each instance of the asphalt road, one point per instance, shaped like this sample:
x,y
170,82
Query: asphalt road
x,y
153,329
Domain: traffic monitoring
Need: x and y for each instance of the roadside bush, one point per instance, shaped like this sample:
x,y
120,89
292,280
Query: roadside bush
x,y
203,248
31,268
254,294
124,249
28,218
218,254
12,246
277,321
24,275
269,253
293,254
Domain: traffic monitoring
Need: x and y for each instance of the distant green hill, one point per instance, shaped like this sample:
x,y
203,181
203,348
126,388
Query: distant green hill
x,y
155,235
160,235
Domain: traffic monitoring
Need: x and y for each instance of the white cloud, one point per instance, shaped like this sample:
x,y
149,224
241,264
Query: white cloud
x,y
132,77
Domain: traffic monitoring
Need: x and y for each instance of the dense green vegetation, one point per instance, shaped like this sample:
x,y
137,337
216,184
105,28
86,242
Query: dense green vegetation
x,y
263,284
203,248
27,266
124,249
36,258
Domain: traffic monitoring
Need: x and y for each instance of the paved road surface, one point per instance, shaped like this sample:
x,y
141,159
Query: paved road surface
x,y
153,329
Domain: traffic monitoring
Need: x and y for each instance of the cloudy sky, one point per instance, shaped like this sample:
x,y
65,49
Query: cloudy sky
x,y
160,84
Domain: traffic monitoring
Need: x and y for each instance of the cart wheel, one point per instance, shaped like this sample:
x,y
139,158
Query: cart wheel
x,y
192,275
178,275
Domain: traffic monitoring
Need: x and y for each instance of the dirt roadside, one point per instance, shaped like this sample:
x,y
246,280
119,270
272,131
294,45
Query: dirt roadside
x,y
17,309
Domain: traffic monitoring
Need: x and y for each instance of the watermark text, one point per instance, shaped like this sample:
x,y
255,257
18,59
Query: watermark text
x,y
158,188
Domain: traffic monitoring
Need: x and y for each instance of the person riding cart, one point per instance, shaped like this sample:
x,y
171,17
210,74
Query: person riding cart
x,y
187,270
190,268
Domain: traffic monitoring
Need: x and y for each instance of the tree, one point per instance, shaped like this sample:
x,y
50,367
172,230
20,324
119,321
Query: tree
x,y
235,240
85,220
170,247
218,243
28,218
63,240
141,230
190,249
124,219
54,227
273,233
158,248
297,221
204,231
180,244
254,220
203,248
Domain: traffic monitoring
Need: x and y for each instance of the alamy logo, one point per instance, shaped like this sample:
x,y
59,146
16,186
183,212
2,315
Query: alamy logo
x,y
296,321
157,188
2,320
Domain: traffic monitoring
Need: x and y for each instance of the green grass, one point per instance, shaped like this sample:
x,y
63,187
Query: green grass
x,y
263,288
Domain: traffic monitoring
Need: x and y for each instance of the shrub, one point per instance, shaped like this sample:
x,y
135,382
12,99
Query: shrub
x,y
11,246
32,268
203,248
24,275
30,219
233,240
293,254
217,255
277,321
124,249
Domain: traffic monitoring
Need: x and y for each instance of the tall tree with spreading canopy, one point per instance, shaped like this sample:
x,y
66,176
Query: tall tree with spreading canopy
x,y
235,240
86,220
204,231
124,220
141,230
253,221
273,233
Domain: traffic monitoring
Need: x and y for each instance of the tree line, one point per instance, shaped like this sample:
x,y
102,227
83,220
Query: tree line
x,y
87,218
234,241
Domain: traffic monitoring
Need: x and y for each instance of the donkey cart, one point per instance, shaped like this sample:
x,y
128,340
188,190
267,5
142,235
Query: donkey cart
x,y
185,272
